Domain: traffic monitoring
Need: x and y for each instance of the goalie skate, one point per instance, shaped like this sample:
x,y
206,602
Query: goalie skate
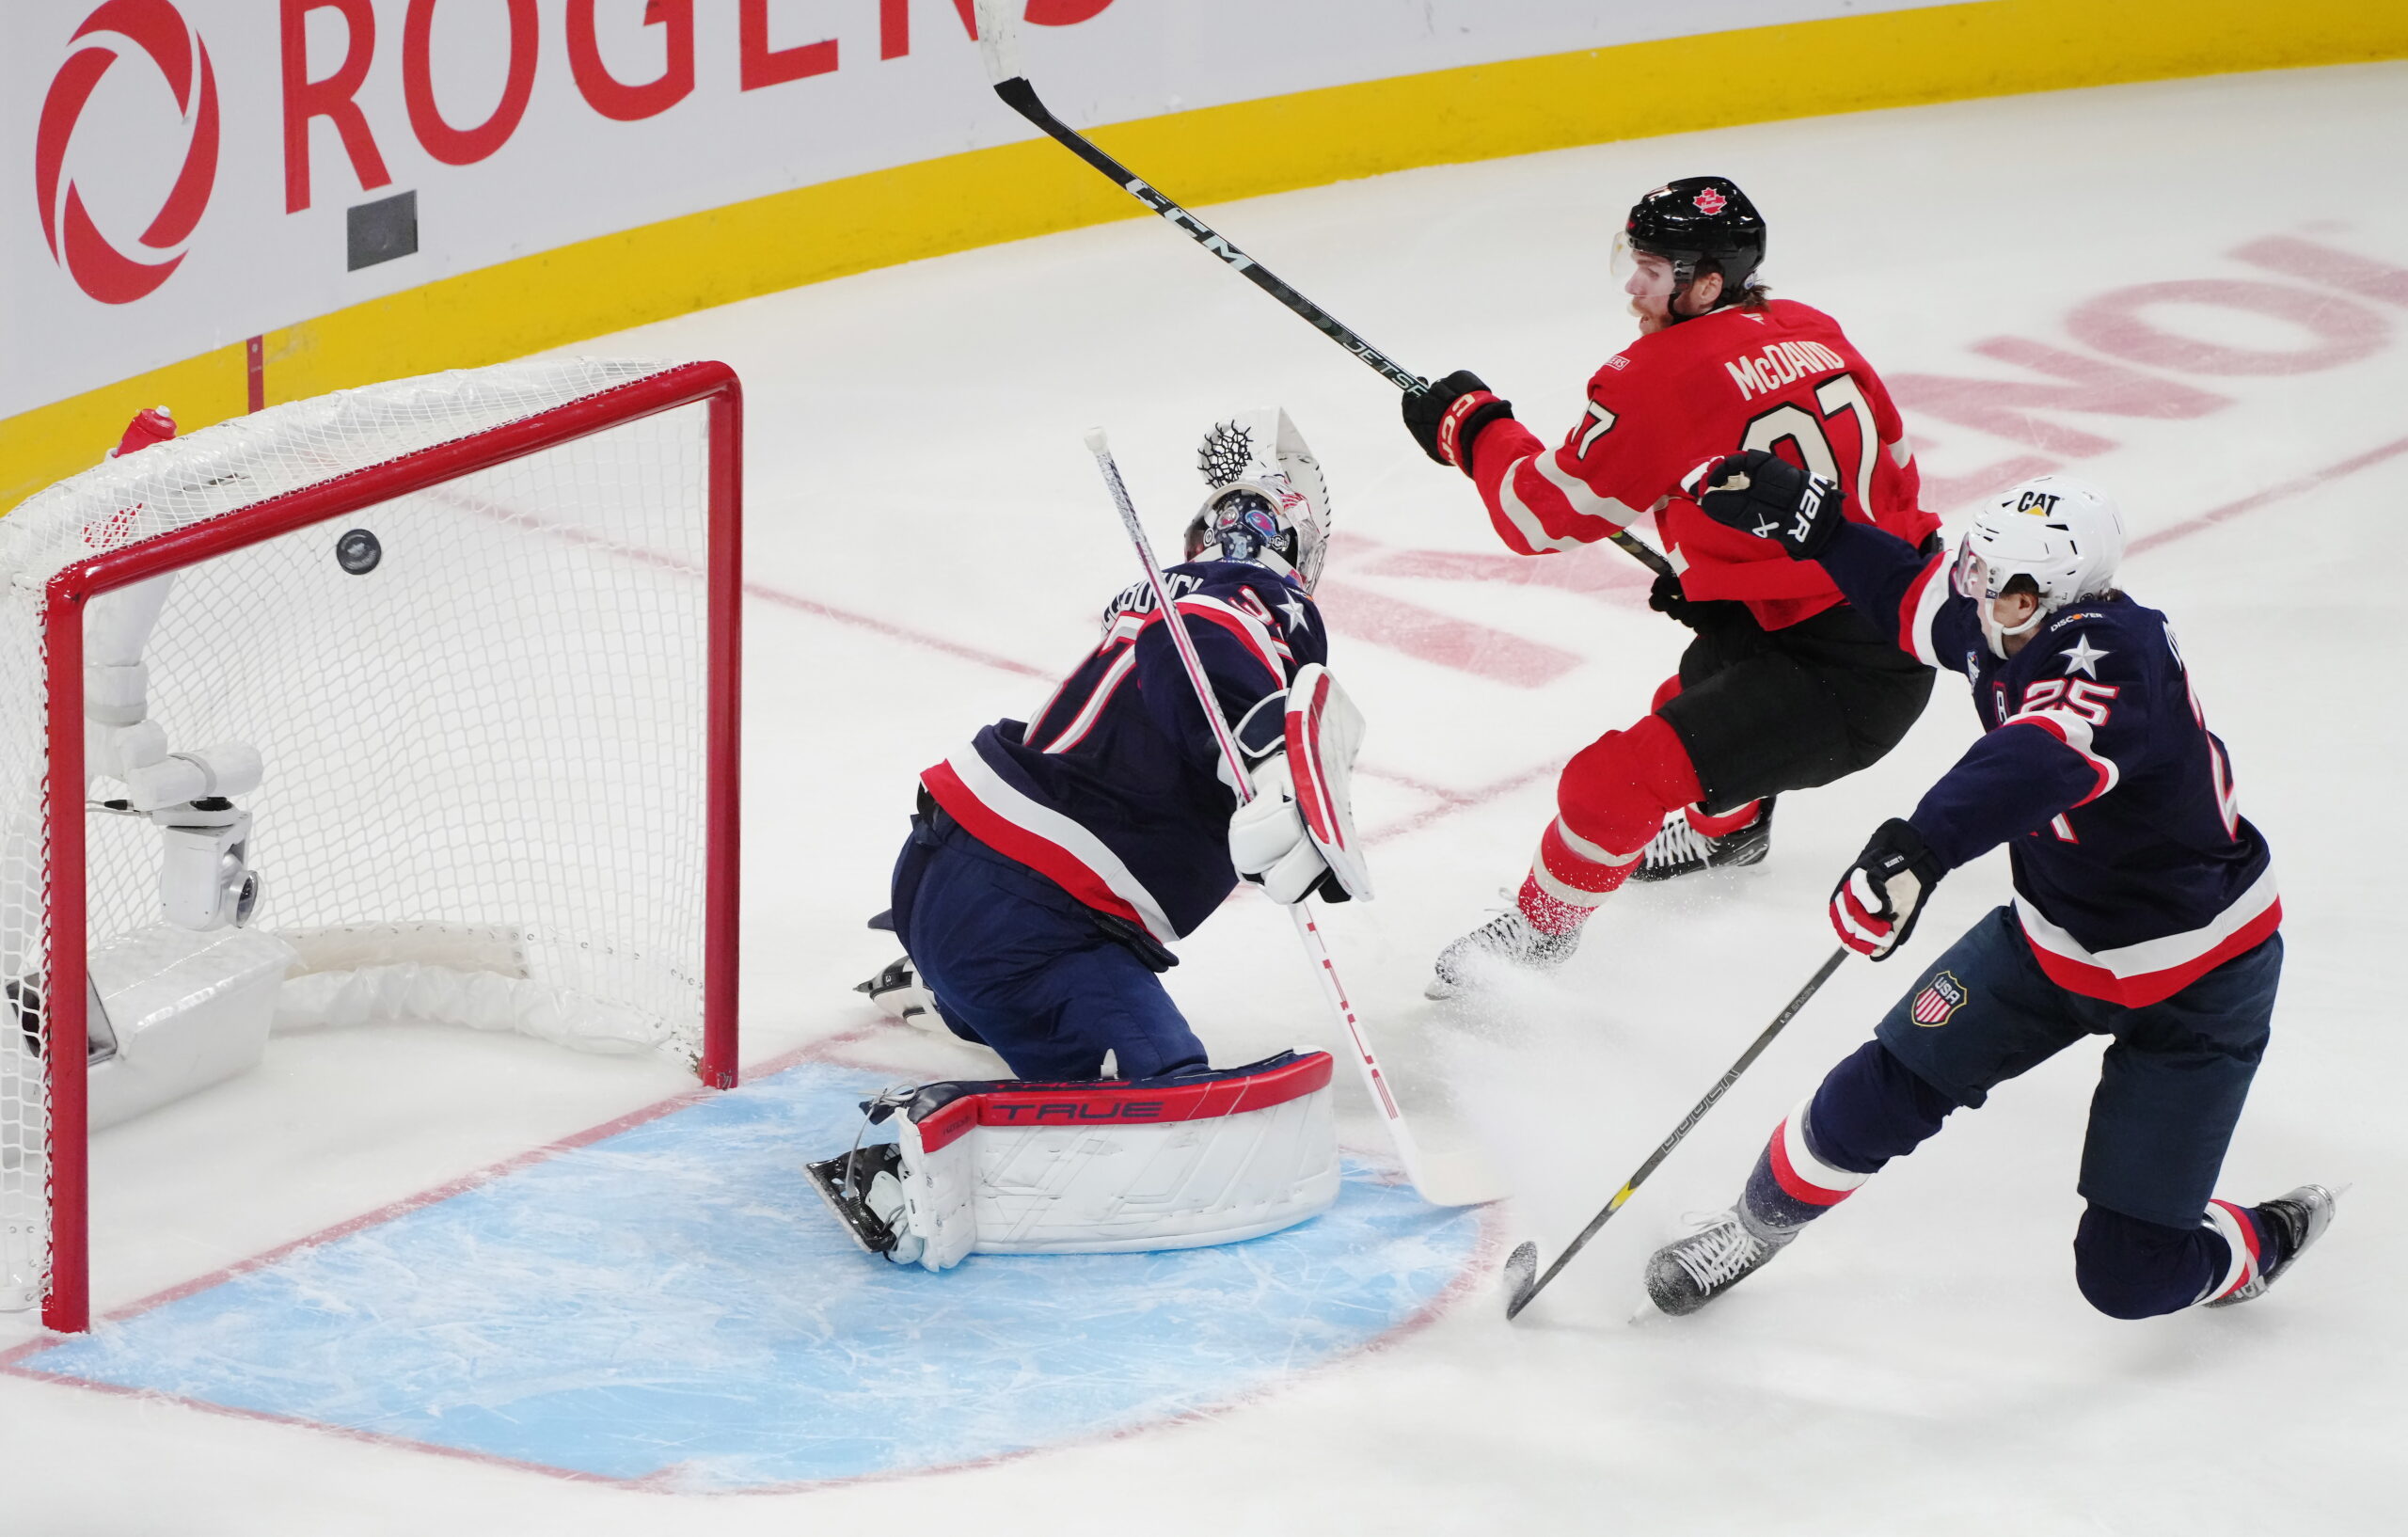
x,y
1681,849
864,1187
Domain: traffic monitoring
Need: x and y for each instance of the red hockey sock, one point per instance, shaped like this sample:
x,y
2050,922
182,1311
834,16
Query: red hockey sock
x,y
1611,800
1726,824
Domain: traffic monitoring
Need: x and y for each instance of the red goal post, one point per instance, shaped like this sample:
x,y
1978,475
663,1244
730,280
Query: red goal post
x,y
527,734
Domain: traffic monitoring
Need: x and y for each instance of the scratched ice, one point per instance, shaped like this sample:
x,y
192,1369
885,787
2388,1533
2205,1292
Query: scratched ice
x,y
672,1304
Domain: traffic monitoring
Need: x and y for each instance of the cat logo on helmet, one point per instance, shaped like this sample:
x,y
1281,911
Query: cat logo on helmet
x,y
2038,503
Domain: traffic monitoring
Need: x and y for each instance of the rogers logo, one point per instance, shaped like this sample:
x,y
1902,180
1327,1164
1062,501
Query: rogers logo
x,y
118,30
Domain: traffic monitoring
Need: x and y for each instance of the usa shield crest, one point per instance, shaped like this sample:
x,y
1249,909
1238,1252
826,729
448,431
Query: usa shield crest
x,y
1940,997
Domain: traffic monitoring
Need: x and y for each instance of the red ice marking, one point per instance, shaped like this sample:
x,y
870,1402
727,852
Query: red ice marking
x,y
2327,265
2338,330
1942,492
697,1095
1588,570
2087,385
2231,509
1446,642
1471,1278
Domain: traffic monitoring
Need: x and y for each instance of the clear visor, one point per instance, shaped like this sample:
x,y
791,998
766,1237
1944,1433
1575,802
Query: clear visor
x,y
1972,572
1654,271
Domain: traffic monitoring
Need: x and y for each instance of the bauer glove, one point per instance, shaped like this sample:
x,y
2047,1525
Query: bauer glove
x,y
1765,495
1446,416
1875,905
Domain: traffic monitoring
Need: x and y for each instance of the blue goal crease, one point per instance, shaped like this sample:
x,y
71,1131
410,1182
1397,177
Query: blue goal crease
x,y
671,1304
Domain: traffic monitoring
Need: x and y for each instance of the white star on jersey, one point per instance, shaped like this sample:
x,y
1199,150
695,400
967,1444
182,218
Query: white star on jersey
x,y
2084,658
1295,612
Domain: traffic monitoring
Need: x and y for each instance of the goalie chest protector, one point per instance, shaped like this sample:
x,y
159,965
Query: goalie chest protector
x,y
1116,1165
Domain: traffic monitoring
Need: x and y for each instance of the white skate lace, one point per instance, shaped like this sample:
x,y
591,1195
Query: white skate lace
x,y
1719,1254
1678,843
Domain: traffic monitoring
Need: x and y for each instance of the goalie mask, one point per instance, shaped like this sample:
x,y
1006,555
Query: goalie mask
x,y
2065,538
1268,503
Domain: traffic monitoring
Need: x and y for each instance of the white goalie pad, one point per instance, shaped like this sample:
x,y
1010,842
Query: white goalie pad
x,y
1119,1165
1324,732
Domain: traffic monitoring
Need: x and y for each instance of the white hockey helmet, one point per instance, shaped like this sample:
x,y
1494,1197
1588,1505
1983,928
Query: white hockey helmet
x,y
1268,501
2064,535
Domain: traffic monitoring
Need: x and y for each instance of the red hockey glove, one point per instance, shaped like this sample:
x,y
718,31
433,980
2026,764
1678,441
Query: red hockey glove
x,y
1765,495
1876,903
1447,416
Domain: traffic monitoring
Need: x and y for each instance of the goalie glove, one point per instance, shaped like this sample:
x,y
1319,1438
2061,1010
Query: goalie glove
x,y
1874,906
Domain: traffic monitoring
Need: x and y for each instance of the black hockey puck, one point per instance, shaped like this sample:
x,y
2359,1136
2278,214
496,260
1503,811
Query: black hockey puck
x,y
357,552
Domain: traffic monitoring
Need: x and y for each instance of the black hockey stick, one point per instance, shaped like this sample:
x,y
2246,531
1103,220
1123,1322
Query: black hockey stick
x,y
997,47
1522,1281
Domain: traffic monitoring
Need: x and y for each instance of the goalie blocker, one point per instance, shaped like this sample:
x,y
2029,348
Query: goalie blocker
x,y
1097,1168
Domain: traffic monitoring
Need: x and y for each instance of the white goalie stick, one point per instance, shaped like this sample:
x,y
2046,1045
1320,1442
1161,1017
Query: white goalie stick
x,y
1459,1179
999,48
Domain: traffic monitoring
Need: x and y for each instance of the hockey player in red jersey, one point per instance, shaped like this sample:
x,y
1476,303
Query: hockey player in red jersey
x,y
1785,687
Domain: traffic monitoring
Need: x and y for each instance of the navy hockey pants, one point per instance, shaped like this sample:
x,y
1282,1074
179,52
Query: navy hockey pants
x,y
2170,1090
1018,964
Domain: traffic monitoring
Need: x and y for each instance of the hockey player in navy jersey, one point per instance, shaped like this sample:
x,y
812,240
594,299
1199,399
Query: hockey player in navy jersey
x,y
1052,862
2145,906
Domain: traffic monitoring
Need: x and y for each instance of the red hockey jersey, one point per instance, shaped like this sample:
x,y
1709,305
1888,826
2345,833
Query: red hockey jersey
x,y
1782,379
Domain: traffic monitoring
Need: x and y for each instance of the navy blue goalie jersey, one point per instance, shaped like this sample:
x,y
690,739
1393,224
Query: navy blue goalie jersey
x,y
2134,871
1115,791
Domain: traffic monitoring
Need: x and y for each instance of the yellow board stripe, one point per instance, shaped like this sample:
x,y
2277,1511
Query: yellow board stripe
x,y
1681,84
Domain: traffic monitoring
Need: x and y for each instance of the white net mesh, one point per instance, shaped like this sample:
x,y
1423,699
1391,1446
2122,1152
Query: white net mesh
x,y
484,755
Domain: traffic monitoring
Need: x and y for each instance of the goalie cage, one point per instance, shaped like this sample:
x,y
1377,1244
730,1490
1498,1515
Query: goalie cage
x,y
498,734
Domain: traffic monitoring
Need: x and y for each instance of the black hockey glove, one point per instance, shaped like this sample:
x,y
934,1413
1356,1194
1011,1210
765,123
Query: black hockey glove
x,y
1447,417
1875,905
1703,616
1765,495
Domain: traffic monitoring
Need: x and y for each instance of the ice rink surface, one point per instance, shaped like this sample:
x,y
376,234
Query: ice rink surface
x,y
2206,275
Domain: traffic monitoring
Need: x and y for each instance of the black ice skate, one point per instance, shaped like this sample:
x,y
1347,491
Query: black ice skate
x,y
1681,849
1686,1275
1506,939
2301,1217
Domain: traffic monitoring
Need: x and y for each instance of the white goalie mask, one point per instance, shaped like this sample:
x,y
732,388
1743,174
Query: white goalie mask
x,y
2066,536
1268,501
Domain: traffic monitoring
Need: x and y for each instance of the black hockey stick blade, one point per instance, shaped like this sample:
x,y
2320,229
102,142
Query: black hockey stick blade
x,y
1524,1260
1521,1277
1000,50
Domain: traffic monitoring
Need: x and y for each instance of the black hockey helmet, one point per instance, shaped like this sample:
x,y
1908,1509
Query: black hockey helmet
x,y
1700,224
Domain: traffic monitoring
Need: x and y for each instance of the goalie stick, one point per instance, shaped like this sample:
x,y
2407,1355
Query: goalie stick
x,y
1000,50
1522,1281
1464,1181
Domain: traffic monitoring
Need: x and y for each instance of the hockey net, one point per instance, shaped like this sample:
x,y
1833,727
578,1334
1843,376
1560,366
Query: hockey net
x,y
479,630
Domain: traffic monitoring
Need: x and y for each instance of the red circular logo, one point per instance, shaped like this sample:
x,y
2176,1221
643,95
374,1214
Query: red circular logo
x,y
119,29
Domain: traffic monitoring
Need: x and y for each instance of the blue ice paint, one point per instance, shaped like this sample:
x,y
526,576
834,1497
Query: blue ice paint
x,y
674,1303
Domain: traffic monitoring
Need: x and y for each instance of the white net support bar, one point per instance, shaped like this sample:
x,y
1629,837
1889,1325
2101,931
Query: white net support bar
x,y
415,702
